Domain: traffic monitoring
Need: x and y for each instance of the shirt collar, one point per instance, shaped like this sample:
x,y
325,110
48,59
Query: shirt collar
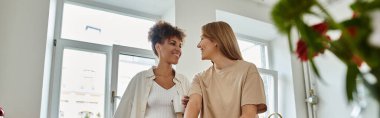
x,y
150,74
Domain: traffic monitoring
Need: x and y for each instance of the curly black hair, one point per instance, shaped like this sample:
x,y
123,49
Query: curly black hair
x,y
161,31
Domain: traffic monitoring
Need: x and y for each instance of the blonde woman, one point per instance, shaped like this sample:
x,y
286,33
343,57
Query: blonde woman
x,y
151,93
231,87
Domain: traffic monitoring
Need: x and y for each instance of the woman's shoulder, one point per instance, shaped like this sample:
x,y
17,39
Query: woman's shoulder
x,y
204,73
248,67
180,77
246,64
143,74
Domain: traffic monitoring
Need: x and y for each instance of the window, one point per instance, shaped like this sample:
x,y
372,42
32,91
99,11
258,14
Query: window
x,y
254,52
96,26
82,83
97,54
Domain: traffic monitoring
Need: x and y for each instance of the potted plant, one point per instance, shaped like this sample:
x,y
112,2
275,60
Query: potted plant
x,y
355,47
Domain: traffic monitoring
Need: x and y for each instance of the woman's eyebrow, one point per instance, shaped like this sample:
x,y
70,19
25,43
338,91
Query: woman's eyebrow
x,y
171,40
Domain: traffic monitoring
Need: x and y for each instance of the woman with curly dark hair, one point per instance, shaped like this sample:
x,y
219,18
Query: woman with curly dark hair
x,y
151,93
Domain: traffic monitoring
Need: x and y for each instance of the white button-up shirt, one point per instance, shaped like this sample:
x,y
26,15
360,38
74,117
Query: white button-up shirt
x,y
134,101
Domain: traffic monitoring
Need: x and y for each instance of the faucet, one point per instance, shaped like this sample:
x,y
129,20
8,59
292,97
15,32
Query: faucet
x,y
275,114
1,112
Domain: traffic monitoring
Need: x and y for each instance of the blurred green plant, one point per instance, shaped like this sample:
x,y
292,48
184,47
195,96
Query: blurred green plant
x,y
352,48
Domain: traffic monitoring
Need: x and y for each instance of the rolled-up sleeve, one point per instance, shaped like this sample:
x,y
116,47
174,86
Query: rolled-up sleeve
x,y
253,90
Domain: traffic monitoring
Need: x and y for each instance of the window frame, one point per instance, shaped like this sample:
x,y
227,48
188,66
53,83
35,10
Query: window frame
x,y
262,42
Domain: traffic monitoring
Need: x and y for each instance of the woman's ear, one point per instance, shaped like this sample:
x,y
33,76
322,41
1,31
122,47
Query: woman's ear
x,y
158,48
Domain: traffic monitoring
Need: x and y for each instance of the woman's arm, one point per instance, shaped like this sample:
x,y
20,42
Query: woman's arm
x,y
249,111
193,106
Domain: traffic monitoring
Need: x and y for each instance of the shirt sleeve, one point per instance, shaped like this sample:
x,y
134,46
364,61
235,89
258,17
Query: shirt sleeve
x,y
185,85
124,110
253,90
195,86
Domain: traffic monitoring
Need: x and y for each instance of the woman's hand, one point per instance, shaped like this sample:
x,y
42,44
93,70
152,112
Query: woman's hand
x,y
185,100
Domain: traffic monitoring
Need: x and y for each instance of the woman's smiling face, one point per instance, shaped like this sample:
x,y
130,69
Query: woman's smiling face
x,y
170,50
207,47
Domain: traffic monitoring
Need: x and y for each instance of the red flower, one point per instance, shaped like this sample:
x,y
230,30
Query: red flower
x,y
302,51
352,31
321,27
357,60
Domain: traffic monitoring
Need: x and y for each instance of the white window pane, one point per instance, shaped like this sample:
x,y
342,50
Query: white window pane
x,y
82,84
96,26
253,53
129,66
269,93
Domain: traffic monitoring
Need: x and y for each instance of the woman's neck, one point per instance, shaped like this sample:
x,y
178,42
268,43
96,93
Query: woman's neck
x,y
221,61
163,69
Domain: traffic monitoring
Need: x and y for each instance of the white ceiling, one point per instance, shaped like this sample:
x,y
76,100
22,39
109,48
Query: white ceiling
x,y
154,7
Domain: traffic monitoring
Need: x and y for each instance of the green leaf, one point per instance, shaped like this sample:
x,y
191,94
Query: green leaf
x,y
281,21
285,12
340,50
352,73
359,44
290,42
315,69
365,6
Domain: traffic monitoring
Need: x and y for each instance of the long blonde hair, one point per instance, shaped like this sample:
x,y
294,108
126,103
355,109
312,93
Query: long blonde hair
x,y
222,33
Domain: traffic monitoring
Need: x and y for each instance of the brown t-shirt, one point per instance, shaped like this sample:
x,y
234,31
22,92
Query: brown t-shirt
x,y
225,91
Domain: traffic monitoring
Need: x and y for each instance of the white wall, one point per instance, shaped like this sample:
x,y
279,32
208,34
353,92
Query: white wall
x,y
169,15
23,39
332,102
332,95
191,15
290,84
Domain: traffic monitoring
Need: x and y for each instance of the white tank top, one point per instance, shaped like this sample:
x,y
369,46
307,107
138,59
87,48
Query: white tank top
x,y
160,103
